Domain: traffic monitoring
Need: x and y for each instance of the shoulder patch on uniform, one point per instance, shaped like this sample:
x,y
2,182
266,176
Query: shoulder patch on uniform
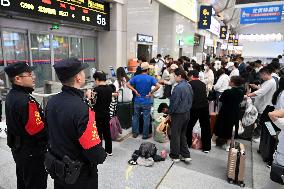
x,y
35,123
90,137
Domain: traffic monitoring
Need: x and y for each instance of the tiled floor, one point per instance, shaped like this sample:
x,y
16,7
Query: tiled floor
x,y
205,172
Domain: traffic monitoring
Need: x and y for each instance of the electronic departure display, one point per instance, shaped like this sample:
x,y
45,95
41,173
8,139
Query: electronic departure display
x,y
253,1
90,12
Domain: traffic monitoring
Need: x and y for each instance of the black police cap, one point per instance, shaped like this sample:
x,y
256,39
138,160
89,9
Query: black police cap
x,y
67,68
17,68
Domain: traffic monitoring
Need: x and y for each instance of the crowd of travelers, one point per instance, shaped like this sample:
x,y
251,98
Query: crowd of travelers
x,y
66,140
229,82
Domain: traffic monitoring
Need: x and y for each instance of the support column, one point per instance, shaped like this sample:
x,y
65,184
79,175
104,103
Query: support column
x,y
112,44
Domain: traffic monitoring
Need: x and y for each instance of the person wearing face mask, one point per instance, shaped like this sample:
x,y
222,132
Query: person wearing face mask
x,y
208,77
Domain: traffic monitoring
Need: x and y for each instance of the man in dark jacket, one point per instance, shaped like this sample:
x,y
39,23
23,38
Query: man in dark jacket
x,y
199,111
26,131
242,66
179,110
72,130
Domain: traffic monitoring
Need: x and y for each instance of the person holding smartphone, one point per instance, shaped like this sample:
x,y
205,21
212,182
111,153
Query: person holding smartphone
x,y
277,117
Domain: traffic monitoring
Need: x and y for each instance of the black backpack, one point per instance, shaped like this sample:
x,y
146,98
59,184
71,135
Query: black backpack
x,y
147,149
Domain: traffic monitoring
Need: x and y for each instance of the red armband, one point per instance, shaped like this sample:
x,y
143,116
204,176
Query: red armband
x,y
35,123
90,137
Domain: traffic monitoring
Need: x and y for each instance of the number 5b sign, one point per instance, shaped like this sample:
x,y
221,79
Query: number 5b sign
x,y
94,13
205,17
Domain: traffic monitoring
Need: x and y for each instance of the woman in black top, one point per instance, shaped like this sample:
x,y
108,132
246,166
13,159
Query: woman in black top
x,y
199,111
103,99
230,110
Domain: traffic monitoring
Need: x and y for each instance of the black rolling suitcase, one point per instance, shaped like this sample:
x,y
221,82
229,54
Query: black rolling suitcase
x,y
247,134
124,113
268,143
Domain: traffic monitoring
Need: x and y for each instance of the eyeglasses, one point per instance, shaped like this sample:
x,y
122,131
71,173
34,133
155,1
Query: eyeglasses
x,y
30,75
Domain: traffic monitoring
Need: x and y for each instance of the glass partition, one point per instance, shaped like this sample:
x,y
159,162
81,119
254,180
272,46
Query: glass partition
x,y
90,55
40,49
76,47
15,47
60,48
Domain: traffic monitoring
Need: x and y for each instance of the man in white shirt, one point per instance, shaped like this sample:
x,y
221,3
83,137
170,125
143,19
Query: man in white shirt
x,y
258,65
159,65
263,95
233,68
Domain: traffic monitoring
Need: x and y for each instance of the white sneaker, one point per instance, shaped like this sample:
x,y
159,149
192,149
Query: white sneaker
x,y
227,148
111,154
175,160
256,140
213,143
186,160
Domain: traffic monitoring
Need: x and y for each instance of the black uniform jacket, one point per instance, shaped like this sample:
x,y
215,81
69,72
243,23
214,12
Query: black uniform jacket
x,y
26,131
72,128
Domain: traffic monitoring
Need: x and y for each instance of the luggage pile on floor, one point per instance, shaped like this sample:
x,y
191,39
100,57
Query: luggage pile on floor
x,y
160,118
146,155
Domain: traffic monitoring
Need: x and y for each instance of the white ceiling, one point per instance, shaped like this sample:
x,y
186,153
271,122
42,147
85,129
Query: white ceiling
x,y
228,13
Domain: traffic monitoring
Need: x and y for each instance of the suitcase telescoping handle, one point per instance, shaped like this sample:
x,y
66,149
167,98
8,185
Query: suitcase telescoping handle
x,y
232,145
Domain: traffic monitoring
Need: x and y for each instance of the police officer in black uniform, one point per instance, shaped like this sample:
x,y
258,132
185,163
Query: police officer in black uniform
x,y
74,142
26,131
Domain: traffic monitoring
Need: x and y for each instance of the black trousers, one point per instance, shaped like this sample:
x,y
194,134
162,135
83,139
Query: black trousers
x,y
257,130
87,180
30,171
178,142
203,116
104,132
0,110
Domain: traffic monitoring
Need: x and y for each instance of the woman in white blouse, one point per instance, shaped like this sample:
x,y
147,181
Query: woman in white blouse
x,y
208,77
171,79
124,93
222,83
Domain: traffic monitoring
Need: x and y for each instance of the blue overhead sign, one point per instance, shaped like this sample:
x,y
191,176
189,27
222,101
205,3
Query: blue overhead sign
x,y
262,14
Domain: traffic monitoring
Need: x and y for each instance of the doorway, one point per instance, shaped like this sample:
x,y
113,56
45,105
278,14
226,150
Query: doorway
x,y
144,51
180,52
